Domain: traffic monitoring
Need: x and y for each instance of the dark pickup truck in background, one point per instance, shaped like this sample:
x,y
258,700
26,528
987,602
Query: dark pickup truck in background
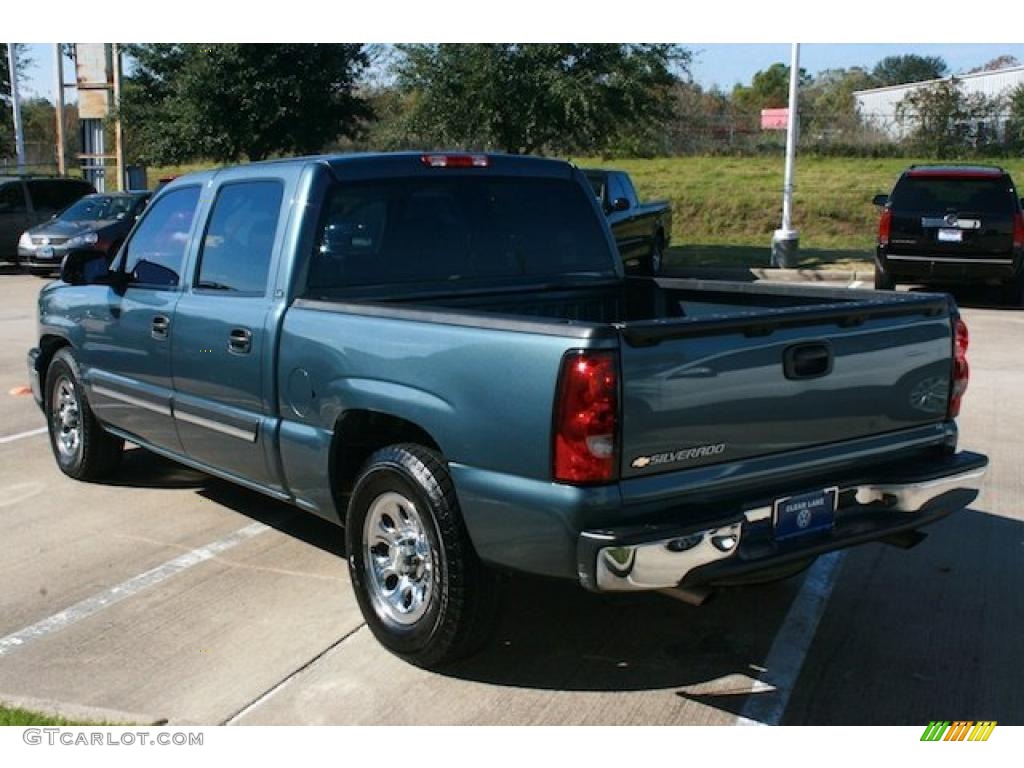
x,y
952,225
642,231
442,353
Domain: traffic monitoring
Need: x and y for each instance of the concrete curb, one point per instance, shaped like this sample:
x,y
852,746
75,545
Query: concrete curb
x,y
766,273
79,712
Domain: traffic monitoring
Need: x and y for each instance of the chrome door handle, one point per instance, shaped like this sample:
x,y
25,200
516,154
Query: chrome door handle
x,y
161,327
240,341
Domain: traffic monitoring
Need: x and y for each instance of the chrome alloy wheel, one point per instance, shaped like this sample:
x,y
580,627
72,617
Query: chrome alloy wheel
x,y
399,561
66,417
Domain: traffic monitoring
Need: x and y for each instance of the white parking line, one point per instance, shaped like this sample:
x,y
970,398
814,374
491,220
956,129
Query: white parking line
x,y
786,656
22,435
96,603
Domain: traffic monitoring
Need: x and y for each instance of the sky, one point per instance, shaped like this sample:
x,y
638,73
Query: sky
x,y
721,64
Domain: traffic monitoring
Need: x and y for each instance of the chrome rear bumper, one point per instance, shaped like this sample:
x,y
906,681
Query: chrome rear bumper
x,y
879,509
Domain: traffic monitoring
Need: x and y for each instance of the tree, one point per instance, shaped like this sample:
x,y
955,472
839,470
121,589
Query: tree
x,y
944,121
999,62
769,89
827,105
1015,122
533,97
6,120
911,68
224,102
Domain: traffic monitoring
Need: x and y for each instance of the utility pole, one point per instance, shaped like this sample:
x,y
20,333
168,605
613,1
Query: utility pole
x,y
118,132
19,135
786,241
58,101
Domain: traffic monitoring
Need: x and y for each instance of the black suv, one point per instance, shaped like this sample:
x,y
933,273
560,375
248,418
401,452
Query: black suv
x,y
952,224
29,200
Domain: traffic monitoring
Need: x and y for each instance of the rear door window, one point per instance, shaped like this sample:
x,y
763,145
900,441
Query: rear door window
x,y
938,194
239,239
154,255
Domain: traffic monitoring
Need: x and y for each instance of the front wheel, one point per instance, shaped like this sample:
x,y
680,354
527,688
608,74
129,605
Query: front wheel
x,y
82,448
420,586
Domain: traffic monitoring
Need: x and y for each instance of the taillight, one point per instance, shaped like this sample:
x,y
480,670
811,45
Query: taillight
x,y
884,226
1018,230
961,371
456,161
586,418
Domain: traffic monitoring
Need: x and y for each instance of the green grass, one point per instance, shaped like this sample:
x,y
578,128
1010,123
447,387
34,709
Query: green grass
x,y
737,201
23,717
726,208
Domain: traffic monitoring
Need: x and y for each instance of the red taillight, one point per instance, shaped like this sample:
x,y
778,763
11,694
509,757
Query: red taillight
x,y
1018,230
456,161
961,371
586,418
884,226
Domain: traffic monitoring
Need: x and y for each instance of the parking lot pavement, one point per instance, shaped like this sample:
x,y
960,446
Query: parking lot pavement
x,y
178,596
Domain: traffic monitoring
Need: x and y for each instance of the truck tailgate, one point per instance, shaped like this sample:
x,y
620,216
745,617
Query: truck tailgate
x,y
699,391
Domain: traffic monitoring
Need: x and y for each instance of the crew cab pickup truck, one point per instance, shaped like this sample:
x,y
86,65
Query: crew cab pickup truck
x,y
642,231
442,354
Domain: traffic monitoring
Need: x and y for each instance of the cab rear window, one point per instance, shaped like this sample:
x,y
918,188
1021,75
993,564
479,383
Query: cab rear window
x,y
960,194
456,228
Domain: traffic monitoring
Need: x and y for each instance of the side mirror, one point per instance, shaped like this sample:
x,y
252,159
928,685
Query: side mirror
x,y
880,200
84,267
620,204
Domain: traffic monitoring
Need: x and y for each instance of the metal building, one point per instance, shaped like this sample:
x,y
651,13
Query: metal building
x,y
878,107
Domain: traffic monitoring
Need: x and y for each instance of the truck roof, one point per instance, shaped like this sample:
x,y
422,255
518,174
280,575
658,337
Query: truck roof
x,y
949,169
357,164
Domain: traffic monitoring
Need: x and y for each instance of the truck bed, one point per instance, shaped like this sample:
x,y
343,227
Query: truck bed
x,y
710,370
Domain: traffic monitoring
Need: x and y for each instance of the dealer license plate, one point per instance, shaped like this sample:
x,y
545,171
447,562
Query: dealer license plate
x,y
951,236
806,513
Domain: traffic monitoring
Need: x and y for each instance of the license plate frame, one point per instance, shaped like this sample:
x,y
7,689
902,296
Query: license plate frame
x,y
947,235
805,513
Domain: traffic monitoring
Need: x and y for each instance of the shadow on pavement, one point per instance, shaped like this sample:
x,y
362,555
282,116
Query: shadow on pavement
x,y
142,469
907,636
970,296
679,257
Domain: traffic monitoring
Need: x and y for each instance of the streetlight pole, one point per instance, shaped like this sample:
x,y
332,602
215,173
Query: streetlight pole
x,y
786,241
19,136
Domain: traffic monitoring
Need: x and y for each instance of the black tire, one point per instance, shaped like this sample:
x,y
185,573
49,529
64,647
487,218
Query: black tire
x,y
1012,293
883,280
654,262
94,452
461,607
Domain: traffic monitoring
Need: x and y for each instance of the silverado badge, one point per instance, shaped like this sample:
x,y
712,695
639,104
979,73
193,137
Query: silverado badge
x,y
683,454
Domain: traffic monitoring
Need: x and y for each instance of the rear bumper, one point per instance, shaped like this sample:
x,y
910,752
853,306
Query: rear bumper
x,y
664,556
936,268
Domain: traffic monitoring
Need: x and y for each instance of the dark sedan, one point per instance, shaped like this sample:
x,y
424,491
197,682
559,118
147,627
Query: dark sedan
x,y
97,222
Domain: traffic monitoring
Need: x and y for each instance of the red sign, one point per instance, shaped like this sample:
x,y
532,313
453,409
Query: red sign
x,y
774,119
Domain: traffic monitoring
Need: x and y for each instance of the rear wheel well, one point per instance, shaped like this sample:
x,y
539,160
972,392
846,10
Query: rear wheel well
x,y
357,435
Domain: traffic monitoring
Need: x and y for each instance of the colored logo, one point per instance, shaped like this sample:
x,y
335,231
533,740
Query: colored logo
x,y
960,730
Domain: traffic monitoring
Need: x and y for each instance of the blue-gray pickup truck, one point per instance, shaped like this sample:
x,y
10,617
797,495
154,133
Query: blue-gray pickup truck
x,y
442,353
